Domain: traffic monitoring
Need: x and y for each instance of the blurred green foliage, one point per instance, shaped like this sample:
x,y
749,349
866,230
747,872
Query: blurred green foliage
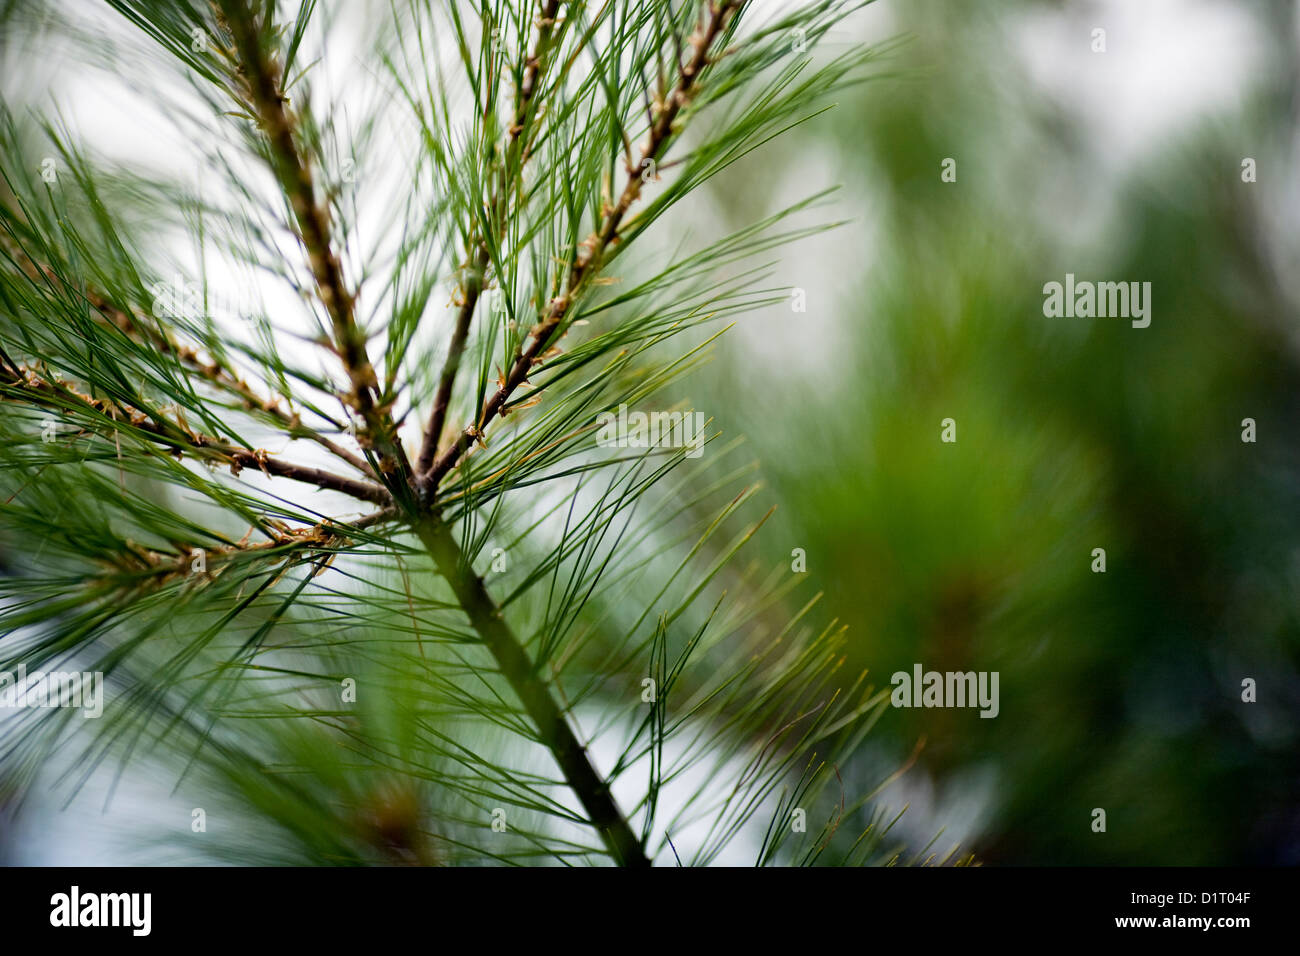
x,y
1119,690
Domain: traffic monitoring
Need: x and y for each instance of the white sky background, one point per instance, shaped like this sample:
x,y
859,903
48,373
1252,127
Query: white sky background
x,y
1170,65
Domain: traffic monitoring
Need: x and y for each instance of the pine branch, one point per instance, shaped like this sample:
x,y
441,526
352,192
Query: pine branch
x,y
552,726
282,543
455,349
591,257
54,395
262,78
482,258
484,615
215,372
222,377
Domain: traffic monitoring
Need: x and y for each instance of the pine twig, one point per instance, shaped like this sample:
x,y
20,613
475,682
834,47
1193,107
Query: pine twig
x,y
482,258
262,80
591,257
215,372
285,543
510,655
455,349
222,377
54,395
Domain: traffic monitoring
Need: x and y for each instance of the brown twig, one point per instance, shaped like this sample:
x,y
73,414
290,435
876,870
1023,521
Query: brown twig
x,y
451,365
213,371
53,394
318,537
482,258
591,256
261,80
222,377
